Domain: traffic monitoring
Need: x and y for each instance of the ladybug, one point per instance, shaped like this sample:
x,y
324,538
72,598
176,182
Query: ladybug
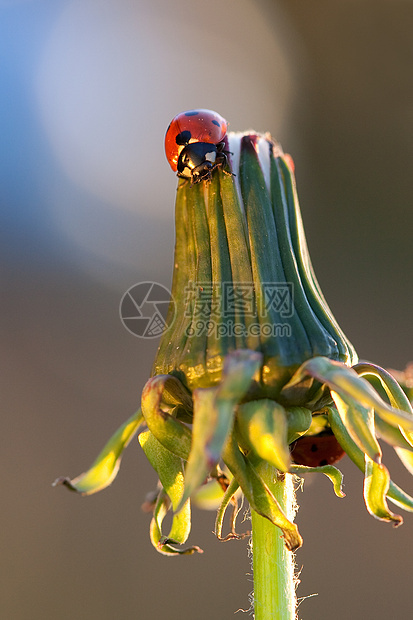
x,y
194,144
317,450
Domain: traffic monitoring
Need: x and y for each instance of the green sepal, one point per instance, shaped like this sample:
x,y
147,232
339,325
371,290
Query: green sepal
x,y
240,368
399,497
319,424
160,394
208,496
214,410
258,494
170,471
199,462
192,358
168,466
321,341
298,421
347,383
376,487
313,293
395,393
391,434
219,343
229,496
394,493
330,471
240,258
397,396
181,523
395,438
105,468
286,351
405,380
359,421
263,427
344,439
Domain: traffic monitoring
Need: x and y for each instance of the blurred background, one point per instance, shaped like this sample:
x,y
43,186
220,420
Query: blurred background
x,y
88,88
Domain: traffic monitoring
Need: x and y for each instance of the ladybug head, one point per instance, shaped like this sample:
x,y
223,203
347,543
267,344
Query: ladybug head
x,y
197,160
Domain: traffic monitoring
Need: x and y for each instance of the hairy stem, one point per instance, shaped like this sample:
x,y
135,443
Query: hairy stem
x,y
273,564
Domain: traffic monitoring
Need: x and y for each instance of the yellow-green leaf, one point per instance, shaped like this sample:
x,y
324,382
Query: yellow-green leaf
x,y
391,434
263,427
181,525
214,410
330,471
208,496
376,486
258,494
105,468
229,496
168,466
359,422
347,383
160,394
399,497
395,393
397,396
205,420
299,421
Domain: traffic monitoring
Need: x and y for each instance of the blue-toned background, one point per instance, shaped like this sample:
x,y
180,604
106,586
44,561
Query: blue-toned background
x,y
87,89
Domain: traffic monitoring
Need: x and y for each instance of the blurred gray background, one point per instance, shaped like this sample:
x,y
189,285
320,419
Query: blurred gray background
x,y
87,89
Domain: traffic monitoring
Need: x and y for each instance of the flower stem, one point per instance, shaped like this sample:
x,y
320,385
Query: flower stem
x,y
273,564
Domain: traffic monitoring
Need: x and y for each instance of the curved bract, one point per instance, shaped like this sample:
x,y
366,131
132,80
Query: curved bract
x,y
254,379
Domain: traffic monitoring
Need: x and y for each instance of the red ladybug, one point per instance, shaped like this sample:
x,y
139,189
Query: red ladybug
x,y
194,144
317,450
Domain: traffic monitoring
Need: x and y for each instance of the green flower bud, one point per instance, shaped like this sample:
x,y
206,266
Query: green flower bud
x,y
254,373
243,278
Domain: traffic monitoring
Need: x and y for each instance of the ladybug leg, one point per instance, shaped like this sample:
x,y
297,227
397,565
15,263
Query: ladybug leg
x,y
222,160
221,148
182,176
202,172
228,173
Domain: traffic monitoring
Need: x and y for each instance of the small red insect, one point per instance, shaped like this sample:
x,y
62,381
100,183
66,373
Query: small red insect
x,y
317,450
194,144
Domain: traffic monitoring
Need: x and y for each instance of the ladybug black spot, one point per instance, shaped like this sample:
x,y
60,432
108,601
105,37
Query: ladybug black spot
x,y
316,451
183,137
214,122
191,113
